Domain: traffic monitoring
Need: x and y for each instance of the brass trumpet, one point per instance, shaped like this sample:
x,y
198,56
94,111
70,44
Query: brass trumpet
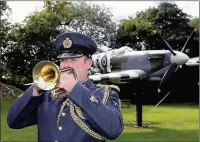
x,y
46,75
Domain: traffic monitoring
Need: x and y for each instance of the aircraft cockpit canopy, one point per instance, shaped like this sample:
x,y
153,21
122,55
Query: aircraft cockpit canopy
x,y
122,50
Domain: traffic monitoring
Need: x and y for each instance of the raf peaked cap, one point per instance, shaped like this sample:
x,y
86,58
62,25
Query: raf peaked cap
x,y
73,45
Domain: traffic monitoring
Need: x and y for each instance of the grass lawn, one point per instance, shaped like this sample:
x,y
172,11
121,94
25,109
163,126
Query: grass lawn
x,y
166,123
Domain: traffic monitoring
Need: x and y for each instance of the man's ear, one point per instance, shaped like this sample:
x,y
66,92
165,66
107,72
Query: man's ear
x,y
89,63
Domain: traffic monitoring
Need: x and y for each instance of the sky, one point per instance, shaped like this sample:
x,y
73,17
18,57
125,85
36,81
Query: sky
x,y
119,9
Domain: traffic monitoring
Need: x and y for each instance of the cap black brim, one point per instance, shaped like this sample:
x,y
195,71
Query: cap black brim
x,y
67,55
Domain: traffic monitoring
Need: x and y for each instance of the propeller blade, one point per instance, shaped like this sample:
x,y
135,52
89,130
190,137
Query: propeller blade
x,y
195,30
168,74
170,48
175,59
159,102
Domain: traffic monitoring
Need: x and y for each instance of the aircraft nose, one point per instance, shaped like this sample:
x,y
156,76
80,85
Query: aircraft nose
x,y
180,58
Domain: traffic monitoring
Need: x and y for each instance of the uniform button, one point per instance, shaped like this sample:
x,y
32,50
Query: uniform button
x,y
60,128
63,114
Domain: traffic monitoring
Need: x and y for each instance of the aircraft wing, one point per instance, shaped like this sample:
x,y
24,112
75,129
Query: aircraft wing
x,y
193,61
128,74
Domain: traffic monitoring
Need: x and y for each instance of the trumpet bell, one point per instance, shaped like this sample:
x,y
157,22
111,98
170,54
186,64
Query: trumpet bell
x,y
46,75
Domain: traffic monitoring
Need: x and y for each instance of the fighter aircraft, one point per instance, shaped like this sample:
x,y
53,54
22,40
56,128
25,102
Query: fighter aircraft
x,y
124,64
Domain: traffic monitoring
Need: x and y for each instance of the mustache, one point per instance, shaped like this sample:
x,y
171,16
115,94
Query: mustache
x,y
62,68
68,70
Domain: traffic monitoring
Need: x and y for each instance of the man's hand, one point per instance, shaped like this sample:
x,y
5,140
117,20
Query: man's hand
x,y
36,91
67,81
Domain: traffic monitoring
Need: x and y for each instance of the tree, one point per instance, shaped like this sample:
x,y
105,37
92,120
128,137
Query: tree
x,y
4,35
170,21
34,39
94,21
194,51
5,44
5,24
134,32
194,23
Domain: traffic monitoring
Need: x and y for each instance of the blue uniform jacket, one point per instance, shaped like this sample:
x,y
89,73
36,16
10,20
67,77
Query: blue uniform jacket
x,y
92,114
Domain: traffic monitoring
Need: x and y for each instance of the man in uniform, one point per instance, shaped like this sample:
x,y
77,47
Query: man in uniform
x,y
86,113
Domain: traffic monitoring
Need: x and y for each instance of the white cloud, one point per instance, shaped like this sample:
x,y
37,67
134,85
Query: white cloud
x,y
191,8
21,9
119,9
124,9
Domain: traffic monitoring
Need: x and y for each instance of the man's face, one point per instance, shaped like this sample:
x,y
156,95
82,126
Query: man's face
x,y
81,65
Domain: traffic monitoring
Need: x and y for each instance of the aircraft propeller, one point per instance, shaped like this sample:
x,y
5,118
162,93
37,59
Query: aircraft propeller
x,y
177,59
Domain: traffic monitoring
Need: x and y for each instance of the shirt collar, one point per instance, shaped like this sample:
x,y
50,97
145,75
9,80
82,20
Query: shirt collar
x,y
87,82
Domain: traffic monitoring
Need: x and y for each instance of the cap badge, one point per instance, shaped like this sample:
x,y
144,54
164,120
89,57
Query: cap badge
x,y
67,43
